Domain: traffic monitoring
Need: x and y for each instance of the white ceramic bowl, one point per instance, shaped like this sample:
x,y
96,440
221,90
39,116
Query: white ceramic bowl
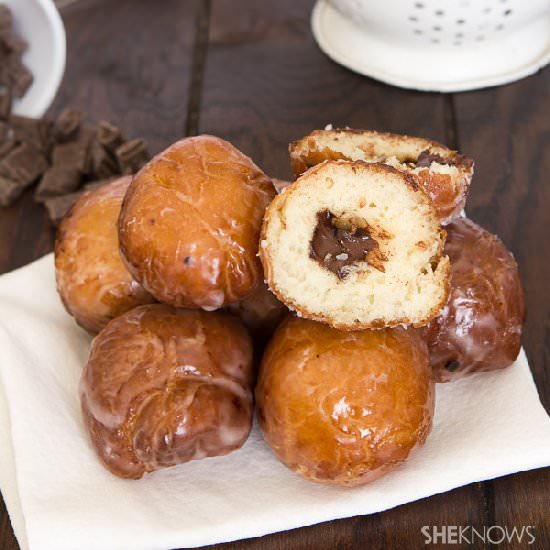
x,y
441,45
39,23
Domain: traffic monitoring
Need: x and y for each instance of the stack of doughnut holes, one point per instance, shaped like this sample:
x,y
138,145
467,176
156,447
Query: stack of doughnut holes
x,y
174,272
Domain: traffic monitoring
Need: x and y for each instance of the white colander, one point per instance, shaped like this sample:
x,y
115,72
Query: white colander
x,y
441,45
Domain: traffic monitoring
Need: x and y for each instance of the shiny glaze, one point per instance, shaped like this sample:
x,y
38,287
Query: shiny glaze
x,y
190,224
92,280
165,386
480,327
344,407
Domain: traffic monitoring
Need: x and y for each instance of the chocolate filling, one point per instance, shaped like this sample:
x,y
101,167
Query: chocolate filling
x,y
426,158
337,244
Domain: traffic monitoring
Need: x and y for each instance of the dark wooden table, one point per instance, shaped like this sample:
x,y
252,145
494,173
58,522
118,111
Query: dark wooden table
x,y
250,72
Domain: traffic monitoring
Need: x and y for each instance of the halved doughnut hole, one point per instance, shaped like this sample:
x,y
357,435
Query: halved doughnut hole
x,y
340,241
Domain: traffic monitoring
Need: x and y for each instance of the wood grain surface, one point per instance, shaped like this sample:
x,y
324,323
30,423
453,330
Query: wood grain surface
x,y
250,72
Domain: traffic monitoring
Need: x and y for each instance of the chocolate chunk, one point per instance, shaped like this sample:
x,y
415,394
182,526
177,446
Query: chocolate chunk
x,y
5,101
109,136
7,139
75,154
337,247
66,125
104,163
6,19
21,79
13,43
336,244
9,190
15,78
58,180
57,207
36,132
132,156
426,158
24,164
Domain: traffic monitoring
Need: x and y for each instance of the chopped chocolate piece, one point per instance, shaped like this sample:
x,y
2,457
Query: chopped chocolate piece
x,y
76,153
15,78
57,207
132,156
6,146
109,136
5,77
104,163
12,42
24,164
66,125
9,190
34,131
58,180
6,19
426,158
7,139
5,101
21,79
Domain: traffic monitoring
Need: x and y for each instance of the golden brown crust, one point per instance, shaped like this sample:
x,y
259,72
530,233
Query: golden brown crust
x,y
164,386
190,224
275,209
302,162
344,408
93,283
448,193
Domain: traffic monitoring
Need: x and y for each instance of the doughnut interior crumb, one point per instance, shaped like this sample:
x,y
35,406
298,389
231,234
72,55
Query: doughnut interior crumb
x,y
406,283
369,146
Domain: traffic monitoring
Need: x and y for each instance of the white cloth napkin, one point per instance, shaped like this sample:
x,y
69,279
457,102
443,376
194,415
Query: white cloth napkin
x,y
60,497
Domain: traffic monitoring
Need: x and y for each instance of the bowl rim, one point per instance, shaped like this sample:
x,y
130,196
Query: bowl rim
x,y
324,15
